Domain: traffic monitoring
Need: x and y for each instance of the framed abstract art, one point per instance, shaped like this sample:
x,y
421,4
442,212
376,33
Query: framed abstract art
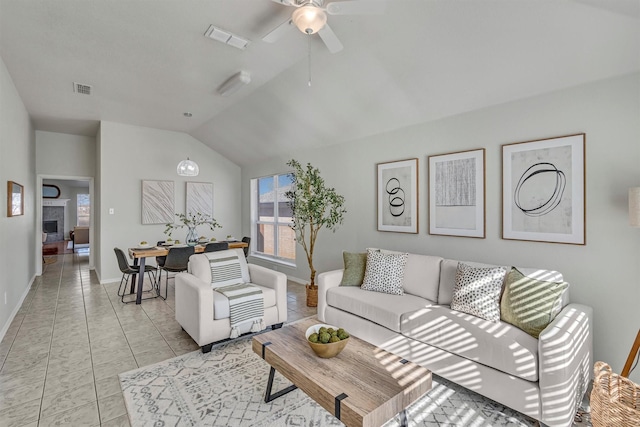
x,y
543,190
158,202
397,193
199,198
456,194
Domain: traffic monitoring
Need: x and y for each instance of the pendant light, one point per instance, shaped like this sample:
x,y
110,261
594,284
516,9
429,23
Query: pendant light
x,y
188,168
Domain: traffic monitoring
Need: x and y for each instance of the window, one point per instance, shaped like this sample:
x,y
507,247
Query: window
x,y
84,209
270,218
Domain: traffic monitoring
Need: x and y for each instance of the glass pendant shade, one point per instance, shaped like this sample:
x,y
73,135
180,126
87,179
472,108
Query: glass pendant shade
x,y
309,19
634,207
188,168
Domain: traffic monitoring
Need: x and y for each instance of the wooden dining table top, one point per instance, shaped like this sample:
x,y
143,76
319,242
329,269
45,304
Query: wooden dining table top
x,y
164,250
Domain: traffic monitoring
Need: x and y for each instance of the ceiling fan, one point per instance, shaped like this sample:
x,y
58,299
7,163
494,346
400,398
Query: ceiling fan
x,y
310,17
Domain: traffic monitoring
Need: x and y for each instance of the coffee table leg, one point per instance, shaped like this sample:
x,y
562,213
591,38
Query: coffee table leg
x,y
268,397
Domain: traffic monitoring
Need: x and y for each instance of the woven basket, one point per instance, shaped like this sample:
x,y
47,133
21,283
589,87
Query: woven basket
x,y
615,400
312,296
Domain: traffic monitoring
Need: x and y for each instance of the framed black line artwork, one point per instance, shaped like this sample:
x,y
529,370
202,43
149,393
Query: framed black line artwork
x,y
543,190
397,193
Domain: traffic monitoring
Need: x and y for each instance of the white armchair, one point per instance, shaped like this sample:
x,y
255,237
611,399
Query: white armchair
x,y
204,313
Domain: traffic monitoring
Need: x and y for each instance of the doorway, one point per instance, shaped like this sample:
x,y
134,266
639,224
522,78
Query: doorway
x,y
64,206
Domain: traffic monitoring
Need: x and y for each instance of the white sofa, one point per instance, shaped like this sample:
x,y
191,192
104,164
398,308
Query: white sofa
x,y
544,378
204,313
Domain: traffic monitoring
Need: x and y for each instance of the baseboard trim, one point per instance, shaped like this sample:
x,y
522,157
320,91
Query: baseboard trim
x,y
5,328
297,280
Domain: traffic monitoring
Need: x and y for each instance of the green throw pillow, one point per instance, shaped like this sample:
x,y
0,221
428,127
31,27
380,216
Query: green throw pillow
x,y
530,304
354,266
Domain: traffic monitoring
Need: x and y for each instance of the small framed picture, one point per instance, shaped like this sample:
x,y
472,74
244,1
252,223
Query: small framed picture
x,y
397,192
543,190
456,194
15,199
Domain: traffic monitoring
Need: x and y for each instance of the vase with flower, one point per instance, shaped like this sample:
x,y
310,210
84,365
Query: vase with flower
x,y
191,221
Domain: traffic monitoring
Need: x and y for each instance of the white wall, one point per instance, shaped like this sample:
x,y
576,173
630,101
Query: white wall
x,y
129,154
65,154
604,274
17,234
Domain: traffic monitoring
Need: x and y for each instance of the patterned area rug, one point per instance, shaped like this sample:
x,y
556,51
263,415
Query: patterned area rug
x,y
226,388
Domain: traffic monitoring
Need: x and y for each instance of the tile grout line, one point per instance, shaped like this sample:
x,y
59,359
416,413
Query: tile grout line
x,y
86,321
120,323
53,325
154,323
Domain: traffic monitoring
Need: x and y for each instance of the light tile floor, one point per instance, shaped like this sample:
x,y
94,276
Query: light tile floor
x,y
60,358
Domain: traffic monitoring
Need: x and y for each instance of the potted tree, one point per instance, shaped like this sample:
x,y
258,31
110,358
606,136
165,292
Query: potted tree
x,y
313,206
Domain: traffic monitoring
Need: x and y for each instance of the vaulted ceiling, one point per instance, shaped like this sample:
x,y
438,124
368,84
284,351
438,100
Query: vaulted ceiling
x,y
149,62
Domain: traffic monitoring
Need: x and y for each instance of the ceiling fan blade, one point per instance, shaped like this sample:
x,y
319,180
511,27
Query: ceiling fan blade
x,y
356,8
275,34
286,2
330,39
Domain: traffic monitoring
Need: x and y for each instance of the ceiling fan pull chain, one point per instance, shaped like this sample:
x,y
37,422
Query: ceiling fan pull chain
x,y
309,59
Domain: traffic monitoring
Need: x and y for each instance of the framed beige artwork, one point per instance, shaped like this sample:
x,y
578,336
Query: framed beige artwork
x,y
15,199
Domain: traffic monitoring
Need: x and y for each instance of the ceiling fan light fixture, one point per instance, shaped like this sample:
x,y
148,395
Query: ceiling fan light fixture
x,y
188,168
309,19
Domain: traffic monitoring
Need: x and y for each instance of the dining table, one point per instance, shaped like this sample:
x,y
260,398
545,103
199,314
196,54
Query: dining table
x,y
139,256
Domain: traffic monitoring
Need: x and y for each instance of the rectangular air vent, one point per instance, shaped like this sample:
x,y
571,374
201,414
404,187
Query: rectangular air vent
x,y
82,88
224,36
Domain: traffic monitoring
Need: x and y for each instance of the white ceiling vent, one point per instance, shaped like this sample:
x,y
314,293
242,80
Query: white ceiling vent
x,y
82,88
224,36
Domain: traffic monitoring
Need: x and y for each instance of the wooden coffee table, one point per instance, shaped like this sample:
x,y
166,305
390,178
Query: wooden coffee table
x,y
362,386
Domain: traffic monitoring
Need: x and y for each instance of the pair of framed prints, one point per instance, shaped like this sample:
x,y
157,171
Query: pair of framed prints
x,y
543,192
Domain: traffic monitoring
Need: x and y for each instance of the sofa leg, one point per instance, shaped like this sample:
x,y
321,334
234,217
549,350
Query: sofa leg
x,y
207,348
276,326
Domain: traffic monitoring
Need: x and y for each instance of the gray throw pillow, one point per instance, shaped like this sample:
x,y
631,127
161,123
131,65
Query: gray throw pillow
x,y
354,266
477,291
384,272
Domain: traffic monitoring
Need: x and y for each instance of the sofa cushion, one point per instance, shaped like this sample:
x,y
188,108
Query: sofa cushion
x,y
530,304
221,303
498,345
384,309
477,291
384,272
354,267
199,264
422,276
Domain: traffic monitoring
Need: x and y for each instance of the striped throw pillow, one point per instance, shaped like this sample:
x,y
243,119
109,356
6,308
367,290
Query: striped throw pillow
x,y
225,271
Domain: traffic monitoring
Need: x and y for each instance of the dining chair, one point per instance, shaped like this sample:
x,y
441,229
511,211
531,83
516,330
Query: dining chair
x,y
216,246
160,259
129,270
177,261
246,240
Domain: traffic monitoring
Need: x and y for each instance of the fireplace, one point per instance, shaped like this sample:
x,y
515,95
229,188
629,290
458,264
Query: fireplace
x,y
50,226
